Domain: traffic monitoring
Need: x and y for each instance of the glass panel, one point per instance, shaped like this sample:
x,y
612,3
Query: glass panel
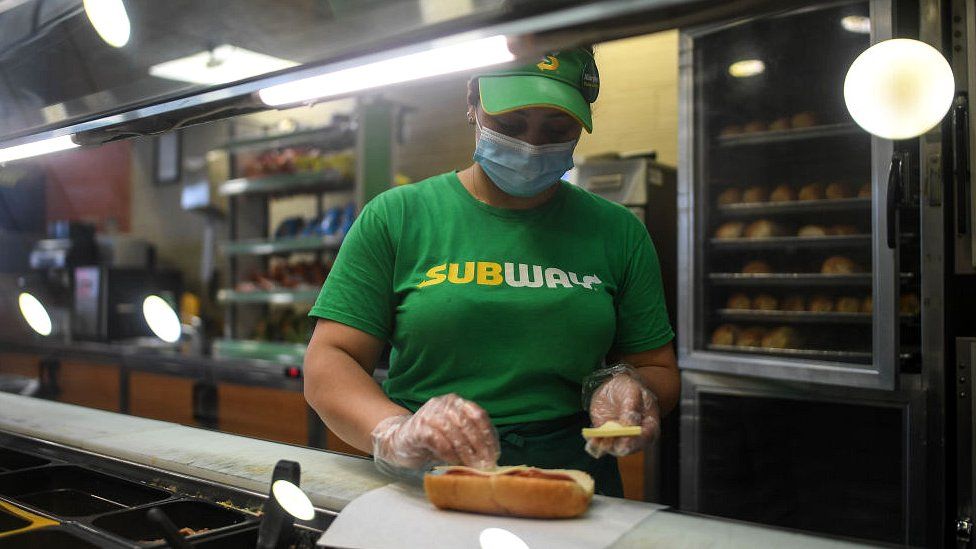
x,y
783,187
829,468
57,66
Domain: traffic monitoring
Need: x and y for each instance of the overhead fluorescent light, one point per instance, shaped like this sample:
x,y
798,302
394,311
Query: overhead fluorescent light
x,y
747,67
433,62
110,20
36,148
856,23
225,63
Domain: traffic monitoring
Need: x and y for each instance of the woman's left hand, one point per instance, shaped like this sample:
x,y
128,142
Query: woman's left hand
x,y
624,398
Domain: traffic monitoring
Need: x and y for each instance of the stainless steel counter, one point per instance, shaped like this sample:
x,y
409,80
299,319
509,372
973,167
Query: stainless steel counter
x,y
332,480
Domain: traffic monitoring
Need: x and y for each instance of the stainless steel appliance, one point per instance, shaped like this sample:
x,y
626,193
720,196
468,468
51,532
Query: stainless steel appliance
x,y
810,296
108,301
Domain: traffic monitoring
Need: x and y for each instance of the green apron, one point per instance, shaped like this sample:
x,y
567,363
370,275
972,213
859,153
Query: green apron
x,y
558,444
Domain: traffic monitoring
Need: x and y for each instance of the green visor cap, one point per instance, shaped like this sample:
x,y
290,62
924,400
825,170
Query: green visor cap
x,y
565,80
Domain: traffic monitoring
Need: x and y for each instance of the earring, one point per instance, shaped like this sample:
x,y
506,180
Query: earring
x,y
470,119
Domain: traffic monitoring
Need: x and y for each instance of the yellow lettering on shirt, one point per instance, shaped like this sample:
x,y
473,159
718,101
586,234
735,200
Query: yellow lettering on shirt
x,y
435,275
489,274
452,273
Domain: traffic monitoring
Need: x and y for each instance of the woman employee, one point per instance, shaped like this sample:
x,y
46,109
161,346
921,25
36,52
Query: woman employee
x,y
503,292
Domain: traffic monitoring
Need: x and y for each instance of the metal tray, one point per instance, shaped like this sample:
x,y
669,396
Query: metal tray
x,y
11,460
62,536
134,525
795,353
795,206
754,315
797,134
779,242
10,522
791,279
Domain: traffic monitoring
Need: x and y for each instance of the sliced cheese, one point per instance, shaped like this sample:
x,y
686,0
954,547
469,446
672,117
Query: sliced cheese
x,y
580,477
612,429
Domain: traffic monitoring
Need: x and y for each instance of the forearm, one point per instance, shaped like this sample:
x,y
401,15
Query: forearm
x,y
664,382
345,396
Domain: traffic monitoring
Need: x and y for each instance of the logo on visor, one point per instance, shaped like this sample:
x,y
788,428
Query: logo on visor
x,y
590,82
549,63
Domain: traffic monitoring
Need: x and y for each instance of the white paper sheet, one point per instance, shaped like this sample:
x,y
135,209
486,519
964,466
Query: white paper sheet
x,y
399,516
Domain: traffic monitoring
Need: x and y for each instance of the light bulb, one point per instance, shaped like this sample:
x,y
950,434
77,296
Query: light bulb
x,y
162,319
110,20
35,314
899,89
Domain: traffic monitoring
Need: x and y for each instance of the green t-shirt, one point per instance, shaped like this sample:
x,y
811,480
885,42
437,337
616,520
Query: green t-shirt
x,y
508,308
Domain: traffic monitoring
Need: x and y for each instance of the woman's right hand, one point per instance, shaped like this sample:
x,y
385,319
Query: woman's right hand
x,y
445,430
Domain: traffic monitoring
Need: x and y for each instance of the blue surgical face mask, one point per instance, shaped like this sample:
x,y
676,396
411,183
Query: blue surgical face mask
x,y
519,168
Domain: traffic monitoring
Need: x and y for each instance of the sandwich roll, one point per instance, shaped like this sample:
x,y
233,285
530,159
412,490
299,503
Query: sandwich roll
x,y
518,491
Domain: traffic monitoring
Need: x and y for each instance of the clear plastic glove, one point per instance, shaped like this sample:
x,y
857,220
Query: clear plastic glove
x,y
619,394
445,430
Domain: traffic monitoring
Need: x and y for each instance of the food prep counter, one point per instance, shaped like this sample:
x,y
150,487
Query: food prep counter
x,y
162,463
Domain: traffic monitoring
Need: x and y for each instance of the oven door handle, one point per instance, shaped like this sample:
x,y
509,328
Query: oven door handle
x,y
893,198
960,160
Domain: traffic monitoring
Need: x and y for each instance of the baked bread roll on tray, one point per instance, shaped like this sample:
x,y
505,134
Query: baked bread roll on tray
x,y
730,229
781,338
750,337
738,301
864,191
867,305
729,196
754,126
848,305
812,231
765,302
782,193
755,193
725,334
805,119
838,190
517,491
757,266
780,124
843,230
821,304
908,304
838,264
812,191
730,130
764,228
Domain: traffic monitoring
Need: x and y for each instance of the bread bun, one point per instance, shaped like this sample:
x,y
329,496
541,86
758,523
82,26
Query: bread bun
x,y
731,195
725,335
764,228
838,264
838,190
820,304
730,130
757,266
843,230
765,302
518,491
738,301
812,191
754,126
867,305
782,193
750,337
804,119
754,193
782,123
864,191
848,305
812,230
731,229
908,304
781,338
794,303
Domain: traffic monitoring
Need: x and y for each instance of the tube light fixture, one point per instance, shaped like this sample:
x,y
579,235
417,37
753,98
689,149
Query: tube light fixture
x,y
414,66
746,68
219,65
110,20
36,148
899,89
860,24
162,319
35,314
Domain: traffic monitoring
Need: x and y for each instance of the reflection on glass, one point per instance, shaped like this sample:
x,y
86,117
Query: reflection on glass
x,y
110,21
35,314
499,538
219,65
162,319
